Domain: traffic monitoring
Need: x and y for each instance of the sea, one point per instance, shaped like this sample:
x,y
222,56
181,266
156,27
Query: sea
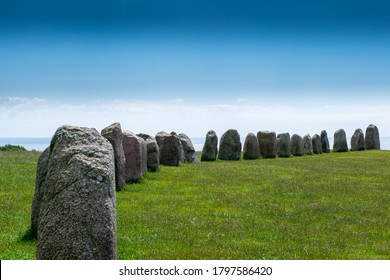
x,y
40,144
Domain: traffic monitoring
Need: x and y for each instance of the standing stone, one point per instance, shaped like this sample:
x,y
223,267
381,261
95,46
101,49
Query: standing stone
x,y
316,143
297,146
340,141
152,152
77,216
134,153
210,147
113,133
357,140
188,148
267,143
372,138
182,157
251,147
144,151
307,145
325,142
283,145
42,167
169,146
230,146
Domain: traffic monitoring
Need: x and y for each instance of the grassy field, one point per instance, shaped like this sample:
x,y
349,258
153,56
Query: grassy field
x,y
329,206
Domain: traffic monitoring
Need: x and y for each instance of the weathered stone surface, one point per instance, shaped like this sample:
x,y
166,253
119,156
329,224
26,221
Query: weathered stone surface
x,y
267,143
325,142
169,146
307,145
152,151
357,140
372,138
316,143
42,168
283,145
188,148
136,159
251,147
230,146
182,157
144,159
77,216
113,133
297,146
340,141
210,147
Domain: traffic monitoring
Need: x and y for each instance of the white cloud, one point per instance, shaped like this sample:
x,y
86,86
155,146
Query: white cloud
x,y
15,102
22,117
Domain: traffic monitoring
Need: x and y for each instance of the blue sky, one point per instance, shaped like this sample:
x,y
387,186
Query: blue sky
x,y
191,66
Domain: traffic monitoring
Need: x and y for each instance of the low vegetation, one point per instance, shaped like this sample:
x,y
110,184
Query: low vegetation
x,y
329,206
14,148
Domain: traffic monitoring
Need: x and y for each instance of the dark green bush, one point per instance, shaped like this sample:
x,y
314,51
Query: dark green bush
x,y
13,148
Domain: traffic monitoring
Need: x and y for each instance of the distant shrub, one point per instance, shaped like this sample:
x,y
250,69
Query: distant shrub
x,y
13,148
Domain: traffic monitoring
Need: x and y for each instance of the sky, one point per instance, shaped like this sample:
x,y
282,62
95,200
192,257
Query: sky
x,y
193,65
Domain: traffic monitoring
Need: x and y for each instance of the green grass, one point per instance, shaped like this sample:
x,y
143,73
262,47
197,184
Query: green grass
x,y
329,206
17,182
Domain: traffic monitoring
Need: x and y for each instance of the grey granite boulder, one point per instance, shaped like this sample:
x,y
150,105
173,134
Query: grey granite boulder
x,y
113,133
267,143
136,156
297,146
307,145
325,142
340,141
372,138
152,152
316,143
283,145
170,149
251,147
77,216
230,145
182,156
210,147
42,168
188,149
357,140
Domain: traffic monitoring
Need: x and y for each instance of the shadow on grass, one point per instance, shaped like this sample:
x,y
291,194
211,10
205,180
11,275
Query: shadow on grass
x,y
28,236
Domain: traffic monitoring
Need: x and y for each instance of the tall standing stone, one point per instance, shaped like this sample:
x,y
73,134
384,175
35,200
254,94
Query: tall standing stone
x,y
297,145
230,146
357,140
42,168
188,149
372,138
77,216
283,145
113,133
267,143
316,143
152,152
136,164
210,147
307,145
170,148
340,141
251,147
325,142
